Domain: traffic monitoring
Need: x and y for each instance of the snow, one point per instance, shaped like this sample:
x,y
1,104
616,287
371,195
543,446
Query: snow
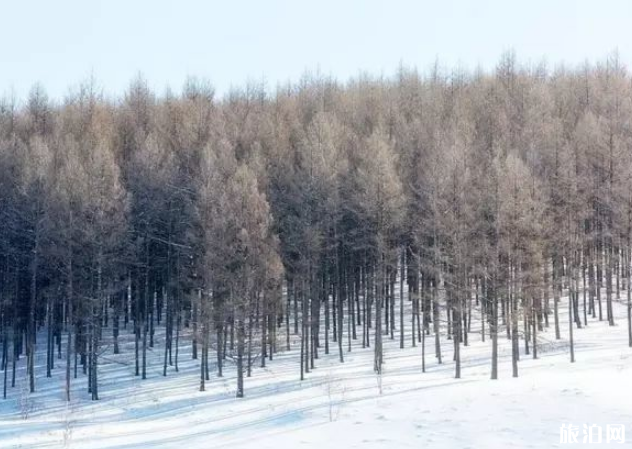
x,y
338,405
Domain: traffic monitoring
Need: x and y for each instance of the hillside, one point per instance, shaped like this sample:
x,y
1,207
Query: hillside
x,y
338,404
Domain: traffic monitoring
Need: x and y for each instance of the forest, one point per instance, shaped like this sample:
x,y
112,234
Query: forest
x,y
308,210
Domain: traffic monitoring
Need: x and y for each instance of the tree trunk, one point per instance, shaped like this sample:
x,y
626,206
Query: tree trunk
x,y
240,357
69,323
401,299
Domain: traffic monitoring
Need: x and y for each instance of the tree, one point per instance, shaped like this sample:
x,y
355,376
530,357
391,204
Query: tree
x,y
241,251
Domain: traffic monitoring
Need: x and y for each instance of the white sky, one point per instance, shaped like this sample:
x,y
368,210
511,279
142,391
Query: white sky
x,y
60,43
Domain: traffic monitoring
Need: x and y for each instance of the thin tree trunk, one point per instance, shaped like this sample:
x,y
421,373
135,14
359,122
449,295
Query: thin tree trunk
x,y
401,299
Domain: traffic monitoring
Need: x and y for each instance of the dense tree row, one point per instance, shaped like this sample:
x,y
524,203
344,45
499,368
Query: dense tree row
x,y
239,222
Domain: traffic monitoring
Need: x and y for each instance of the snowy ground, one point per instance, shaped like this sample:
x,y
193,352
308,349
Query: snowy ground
x,y
340,405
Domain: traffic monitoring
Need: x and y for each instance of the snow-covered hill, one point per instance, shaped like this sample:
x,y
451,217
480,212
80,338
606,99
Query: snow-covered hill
x,y
339,405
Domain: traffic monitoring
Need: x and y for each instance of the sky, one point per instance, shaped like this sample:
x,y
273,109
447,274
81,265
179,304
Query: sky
x,y
63,42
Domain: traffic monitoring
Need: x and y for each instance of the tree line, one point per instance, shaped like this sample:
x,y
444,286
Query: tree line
x,y
240,221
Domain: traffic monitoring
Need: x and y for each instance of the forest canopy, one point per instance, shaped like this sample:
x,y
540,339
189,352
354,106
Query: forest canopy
x,y
242,220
